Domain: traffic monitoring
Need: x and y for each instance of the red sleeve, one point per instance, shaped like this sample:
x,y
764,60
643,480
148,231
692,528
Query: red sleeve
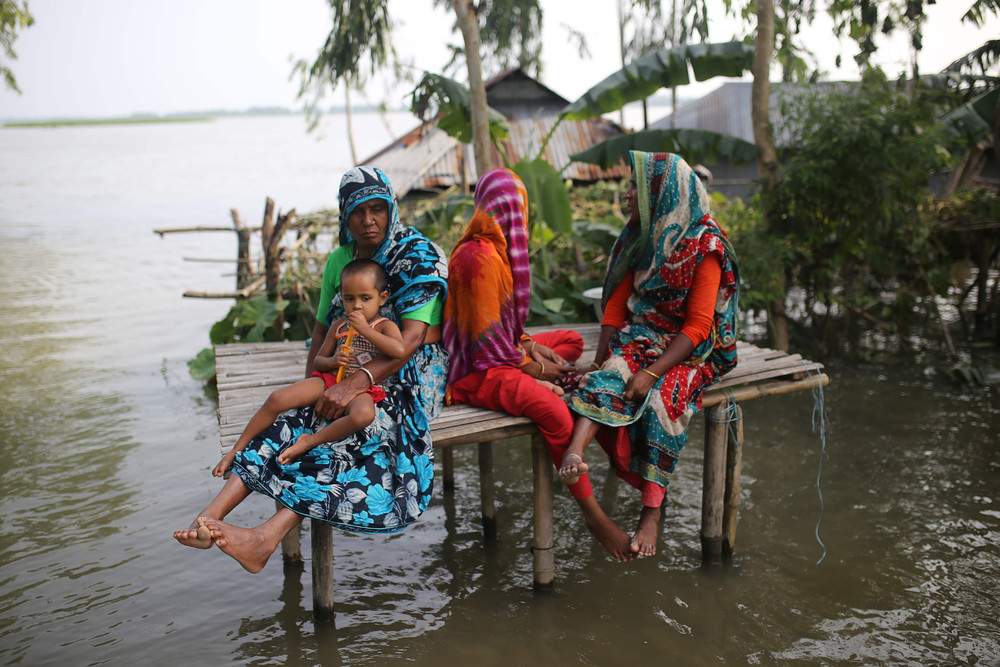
x,y
700,305
616,311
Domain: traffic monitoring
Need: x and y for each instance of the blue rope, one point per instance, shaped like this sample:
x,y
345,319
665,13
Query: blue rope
x,y
817,393
731,414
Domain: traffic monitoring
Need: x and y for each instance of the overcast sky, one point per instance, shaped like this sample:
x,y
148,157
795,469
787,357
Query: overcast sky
x,y
101,58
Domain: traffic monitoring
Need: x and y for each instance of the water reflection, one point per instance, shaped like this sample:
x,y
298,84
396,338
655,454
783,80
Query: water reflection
x,y
108,447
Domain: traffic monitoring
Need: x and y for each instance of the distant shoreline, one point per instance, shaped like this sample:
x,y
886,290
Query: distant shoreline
x,y
108,121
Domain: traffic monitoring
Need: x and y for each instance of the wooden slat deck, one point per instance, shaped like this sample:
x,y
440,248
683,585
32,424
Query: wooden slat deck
x,y
248,373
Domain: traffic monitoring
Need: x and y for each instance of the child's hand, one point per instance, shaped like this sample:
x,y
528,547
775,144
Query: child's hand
x,y
225,464
343,356
301,446
359,322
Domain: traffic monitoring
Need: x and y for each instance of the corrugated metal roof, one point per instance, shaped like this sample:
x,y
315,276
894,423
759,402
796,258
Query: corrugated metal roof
x,y
729,109
428,159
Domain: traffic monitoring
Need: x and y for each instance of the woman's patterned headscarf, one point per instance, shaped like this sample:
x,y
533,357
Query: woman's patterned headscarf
x,y
490,279
415,267
674,232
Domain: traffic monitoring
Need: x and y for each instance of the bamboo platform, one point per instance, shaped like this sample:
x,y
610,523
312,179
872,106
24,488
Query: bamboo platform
x,y
247,373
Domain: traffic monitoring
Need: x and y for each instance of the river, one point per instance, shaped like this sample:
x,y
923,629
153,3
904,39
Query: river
x,y
874,540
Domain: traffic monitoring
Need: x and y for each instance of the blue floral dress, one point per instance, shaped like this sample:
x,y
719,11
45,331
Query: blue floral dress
x,y
379,479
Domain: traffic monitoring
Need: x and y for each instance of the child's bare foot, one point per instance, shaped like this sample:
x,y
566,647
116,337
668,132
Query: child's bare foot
x,y
292,454
644,540
225,464
554,388
571,468
197,535
612,538
247,547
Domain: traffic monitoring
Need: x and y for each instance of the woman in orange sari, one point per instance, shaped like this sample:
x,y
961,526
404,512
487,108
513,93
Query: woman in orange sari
x,y
493,364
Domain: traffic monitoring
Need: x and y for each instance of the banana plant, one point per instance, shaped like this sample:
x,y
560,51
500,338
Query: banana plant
x,y
438,95
661,69
695,145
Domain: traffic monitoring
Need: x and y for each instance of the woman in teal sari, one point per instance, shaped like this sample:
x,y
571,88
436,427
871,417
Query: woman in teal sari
x,y
668,331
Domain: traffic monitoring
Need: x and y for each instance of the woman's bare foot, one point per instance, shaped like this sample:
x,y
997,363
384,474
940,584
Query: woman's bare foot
x,y
197,535
572,467
246,546
554,388
644,540
612,538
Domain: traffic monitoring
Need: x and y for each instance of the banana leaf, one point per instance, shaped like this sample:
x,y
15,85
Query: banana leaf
x,y
661,69
971,122
443,216
696,146
547,195
436,94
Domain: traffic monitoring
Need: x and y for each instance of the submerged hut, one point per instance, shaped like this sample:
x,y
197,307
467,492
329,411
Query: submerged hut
x,y
427,160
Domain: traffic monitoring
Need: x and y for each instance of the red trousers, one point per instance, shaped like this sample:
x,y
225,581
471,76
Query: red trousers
x,y
507,389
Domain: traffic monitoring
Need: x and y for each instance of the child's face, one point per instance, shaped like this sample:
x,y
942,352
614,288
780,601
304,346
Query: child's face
x,y
359,293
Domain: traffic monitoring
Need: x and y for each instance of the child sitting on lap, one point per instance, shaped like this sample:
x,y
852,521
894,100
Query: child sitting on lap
x,y
363,289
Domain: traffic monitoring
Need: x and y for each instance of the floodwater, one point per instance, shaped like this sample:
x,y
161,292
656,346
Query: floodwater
x,y
874,540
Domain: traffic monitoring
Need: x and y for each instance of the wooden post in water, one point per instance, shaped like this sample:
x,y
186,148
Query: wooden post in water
x,y
266,234
322,569
734,466
291,544
487,490
244,272
544,542
714,485
448,468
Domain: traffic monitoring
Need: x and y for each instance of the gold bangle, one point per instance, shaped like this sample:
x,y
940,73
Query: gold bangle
x,y
541,372
595,365
532,350
646,370
371,380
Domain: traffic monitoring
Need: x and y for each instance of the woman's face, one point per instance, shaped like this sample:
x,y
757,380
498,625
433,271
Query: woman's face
x,y
368,224
632,199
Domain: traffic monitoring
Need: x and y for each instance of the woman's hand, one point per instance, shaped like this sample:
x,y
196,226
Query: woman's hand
x,y
544,354
548,371
334,401
638,386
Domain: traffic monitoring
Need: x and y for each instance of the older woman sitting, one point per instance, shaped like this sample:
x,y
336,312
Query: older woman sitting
x,y
379,479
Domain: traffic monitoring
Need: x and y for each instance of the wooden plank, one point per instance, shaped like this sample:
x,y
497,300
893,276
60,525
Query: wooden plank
x,y
249,372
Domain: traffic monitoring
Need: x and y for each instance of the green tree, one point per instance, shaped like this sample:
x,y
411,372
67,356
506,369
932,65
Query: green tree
x,y
851,200
14,17
359,41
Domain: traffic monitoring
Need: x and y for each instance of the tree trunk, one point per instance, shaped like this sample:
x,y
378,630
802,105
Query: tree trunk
x,y
767,158
468,23
350,123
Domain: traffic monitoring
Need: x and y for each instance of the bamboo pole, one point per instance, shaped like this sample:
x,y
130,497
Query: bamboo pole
x,y
200,228
544,544
734,468
244,270
487,490
322,569
740,394
291,544
713,487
